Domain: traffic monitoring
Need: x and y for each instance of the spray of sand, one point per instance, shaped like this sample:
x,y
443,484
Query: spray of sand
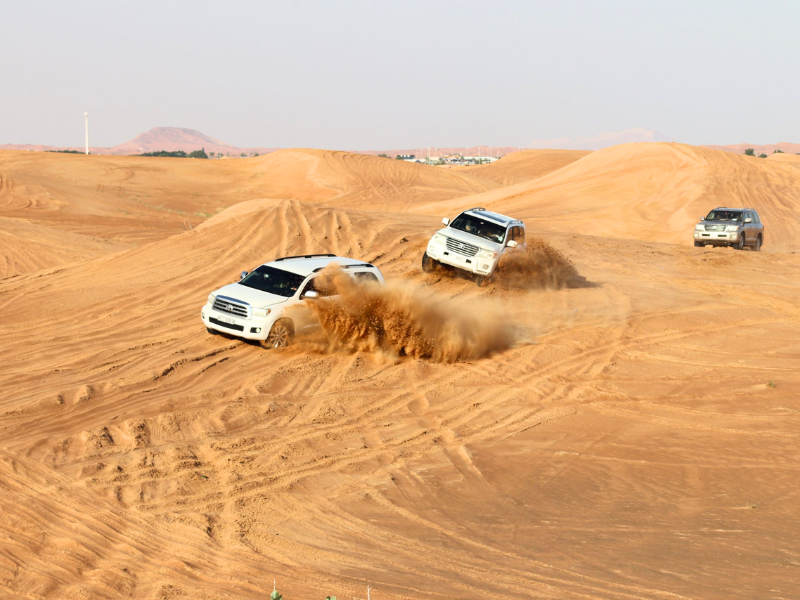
x,y
401,320
537,266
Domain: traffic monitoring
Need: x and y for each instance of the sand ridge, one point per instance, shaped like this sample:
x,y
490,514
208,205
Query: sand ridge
x,y
649,191
640,441
525,165
116,202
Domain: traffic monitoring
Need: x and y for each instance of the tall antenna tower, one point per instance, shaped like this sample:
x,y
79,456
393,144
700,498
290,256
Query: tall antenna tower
x,y
86,116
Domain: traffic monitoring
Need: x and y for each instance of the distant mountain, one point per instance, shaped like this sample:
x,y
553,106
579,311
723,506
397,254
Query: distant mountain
x,y
158,138
170,139
768,149
602,140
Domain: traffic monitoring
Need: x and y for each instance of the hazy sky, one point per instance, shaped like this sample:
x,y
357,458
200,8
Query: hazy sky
x,y
379,74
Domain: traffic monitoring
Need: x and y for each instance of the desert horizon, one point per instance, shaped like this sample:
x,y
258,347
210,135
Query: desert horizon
x,y
173,139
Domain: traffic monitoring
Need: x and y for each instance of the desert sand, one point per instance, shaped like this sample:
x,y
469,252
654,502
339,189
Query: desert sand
x,y
635,437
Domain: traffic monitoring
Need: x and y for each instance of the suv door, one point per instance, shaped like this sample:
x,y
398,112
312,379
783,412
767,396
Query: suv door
x,y
759,226
747,228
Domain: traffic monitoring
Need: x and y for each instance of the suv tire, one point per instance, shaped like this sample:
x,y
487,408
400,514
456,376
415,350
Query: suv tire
x,y
212,331
281,334
699,244
757,247
741,244
481,280
428,264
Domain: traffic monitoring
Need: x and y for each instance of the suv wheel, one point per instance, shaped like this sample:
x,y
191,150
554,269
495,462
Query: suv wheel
x,y
757,247
741,244
481,281
428,264
212,331
280,336
699,244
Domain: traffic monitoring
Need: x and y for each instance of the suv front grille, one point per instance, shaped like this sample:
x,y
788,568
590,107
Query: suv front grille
x,y
230,307
461,247
715,227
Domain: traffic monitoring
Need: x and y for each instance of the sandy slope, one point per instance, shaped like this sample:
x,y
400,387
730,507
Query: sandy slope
x,y
650,192
121,201
790,159
639,441
525,165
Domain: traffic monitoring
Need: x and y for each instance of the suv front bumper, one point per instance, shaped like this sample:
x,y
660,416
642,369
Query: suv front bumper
x,y
720,238
254,328
472,264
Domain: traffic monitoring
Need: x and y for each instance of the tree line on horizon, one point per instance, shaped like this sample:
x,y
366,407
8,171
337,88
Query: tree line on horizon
x,y
752,152
194,154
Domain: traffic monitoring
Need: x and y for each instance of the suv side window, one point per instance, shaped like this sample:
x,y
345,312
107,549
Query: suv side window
x,y
517,234
365,277
755,218
313,285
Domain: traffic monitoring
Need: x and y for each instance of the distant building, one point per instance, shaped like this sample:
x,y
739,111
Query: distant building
x,y
406,156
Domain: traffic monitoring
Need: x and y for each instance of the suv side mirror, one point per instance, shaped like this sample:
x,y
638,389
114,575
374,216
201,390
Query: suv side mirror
x,y
512,243
242,275
311,294
446,221
748,220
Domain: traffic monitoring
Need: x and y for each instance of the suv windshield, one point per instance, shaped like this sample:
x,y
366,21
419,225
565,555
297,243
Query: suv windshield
x,y
477,226
724,215
273,281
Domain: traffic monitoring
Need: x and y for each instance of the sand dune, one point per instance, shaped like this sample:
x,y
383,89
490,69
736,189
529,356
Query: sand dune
x,y
358,180
783,158
132,200
525,165
650,192
637,440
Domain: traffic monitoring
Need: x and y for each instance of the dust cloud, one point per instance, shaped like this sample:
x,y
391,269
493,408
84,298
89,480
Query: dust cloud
x,y
537,266
401,320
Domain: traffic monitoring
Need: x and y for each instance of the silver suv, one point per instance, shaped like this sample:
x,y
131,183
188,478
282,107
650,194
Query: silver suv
x,y
737,227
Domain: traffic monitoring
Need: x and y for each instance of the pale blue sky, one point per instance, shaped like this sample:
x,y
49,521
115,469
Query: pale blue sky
x,y
377,74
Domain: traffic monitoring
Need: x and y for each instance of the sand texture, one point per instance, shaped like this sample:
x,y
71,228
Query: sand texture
x,y
624,427
525,165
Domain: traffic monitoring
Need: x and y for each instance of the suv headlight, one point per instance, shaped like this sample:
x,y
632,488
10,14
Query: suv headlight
x,y
211,298
260,312
439,238
731,228
486,253
699,227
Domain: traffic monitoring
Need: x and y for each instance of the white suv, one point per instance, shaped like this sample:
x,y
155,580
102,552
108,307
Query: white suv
x,y
474,242
253,308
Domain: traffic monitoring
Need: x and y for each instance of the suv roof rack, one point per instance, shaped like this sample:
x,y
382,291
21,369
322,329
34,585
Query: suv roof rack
x,y
306,256
359,266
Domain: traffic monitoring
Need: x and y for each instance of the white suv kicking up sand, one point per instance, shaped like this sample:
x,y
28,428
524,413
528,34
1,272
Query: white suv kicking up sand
x,y
474,242
254,308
